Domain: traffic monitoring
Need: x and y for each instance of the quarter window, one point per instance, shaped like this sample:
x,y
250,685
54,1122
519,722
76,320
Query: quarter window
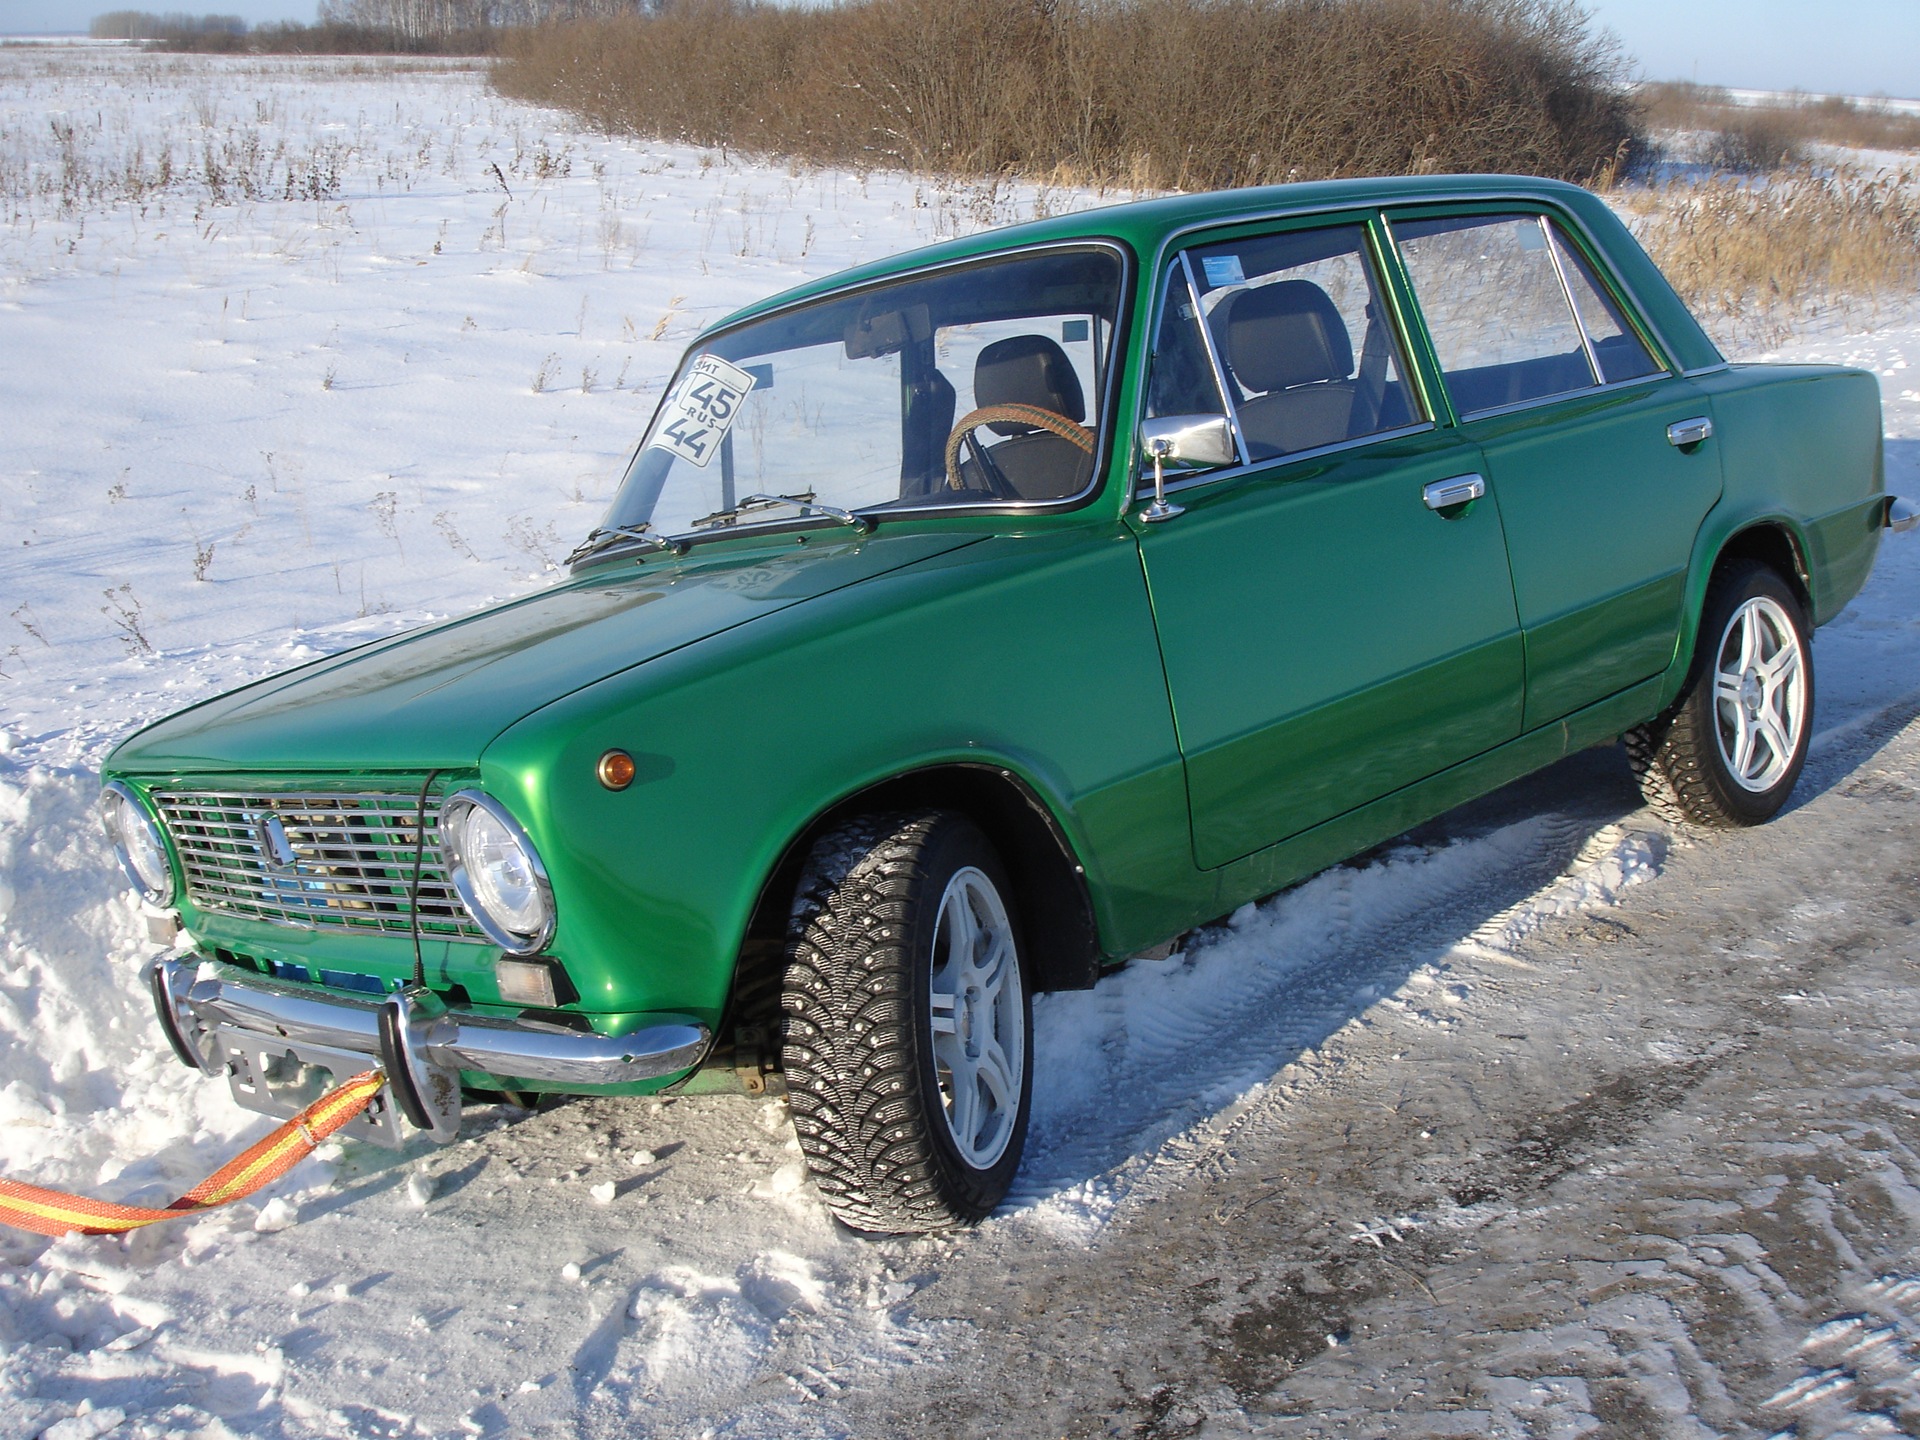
x,y
1183,380
1303,339
1501,323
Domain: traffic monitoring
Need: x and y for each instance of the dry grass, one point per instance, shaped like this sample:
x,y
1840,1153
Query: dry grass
x,y
73,167
1184,94
1754,258
1717,130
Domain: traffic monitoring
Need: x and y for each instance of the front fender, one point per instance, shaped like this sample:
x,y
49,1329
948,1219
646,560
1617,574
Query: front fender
x,y
1034,653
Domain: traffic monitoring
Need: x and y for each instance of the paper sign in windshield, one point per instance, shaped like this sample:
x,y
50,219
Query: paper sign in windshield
x,y
701,408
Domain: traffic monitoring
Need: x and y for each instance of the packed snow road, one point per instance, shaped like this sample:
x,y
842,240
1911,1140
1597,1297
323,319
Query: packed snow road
x,y
1540,1121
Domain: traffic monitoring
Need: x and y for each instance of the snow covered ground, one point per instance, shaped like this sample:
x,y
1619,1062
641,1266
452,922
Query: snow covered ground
x,y
293,353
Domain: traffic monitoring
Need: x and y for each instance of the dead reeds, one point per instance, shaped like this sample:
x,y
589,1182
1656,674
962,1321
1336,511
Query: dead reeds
x,y
1756,258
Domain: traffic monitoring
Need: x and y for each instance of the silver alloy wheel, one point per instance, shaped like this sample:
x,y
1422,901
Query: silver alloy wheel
x,y
1760,694
977,1013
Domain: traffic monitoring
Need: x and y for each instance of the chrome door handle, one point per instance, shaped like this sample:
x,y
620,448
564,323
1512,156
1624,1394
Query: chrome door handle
x,y
1689,432
1444,494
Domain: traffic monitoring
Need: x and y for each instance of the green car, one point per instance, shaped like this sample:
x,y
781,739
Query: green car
x,y
970,621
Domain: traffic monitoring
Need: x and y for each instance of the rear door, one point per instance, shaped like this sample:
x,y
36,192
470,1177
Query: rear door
x,y
1578,420
1329,636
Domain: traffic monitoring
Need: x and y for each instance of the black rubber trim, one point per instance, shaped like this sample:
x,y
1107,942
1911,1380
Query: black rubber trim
x,y
393,1060
169,1026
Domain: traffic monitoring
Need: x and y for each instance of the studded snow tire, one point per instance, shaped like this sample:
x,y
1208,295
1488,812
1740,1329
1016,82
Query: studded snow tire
x,y
870,1001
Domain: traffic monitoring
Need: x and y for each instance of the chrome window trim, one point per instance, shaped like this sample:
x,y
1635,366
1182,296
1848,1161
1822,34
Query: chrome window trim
x,y
1585,393
1144,487
1222,381
1493,195
1371,262
1105,384
1665,372
1573,305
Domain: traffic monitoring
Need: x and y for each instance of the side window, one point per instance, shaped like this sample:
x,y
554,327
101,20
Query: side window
x,y
1500,320
1303,339
1616,348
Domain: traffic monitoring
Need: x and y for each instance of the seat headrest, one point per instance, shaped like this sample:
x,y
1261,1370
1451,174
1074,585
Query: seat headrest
x,y
1027,370
1287,333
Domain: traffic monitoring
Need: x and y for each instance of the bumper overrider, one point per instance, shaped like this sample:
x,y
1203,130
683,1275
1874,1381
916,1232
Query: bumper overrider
x,y
270,1039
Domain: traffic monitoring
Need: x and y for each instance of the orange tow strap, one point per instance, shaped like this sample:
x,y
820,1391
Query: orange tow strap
x,y
52,1212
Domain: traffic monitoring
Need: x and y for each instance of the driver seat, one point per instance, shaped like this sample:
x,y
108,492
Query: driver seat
x,y
1032,370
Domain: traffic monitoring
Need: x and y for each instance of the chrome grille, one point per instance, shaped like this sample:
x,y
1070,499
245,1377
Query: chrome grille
x,y
351,860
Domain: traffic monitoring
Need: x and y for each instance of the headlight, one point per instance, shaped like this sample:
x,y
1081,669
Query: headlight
x,y
136,840
497,872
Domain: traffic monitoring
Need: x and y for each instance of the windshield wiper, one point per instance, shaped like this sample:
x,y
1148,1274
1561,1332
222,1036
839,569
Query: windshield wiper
x,y
600,539
804,502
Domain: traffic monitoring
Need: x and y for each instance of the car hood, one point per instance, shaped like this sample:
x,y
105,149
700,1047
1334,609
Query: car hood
x,y
435,698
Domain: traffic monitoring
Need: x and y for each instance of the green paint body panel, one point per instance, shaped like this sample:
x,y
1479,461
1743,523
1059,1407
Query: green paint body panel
x,y
437,697
1304,663
1302,685
1600,515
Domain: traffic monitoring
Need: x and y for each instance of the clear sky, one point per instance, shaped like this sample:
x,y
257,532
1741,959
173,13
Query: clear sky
x,y
1856,47
1860,47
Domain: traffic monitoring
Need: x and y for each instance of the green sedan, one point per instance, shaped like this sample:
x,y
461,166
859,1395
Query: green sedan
x,y
971,621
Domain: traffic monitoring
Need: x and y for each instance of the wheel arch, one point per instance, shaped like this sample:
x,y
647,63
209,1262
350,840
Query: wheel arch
x,y
1049,880
1772,540
1776,544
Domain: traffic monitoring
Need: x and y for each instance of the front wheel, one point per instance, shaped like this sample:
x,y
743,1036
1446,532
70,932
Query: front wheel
x,y
1732,750
909,1030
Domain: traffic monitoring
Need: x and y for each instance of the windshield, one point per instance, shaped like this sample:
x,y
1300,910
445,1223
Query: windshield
x,y
983,384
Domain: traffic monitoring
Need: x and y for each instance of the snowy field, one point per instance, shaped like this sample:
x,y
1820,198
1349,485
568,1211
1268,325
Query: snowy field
x,y
294,353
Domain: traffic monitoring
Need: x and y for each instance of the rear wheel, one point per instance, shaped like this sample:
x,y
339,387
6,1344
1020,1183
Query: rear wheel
x,y
1731,751
908,1036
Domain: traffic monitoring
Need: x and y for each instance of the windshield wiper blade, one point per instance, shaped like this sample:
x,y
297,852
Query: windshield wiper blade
x,y
803,502
600,539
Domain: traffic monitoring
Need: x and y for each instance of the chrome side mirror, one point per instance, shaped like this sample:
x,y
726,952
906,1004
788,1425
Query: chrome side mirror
x,y
1190,439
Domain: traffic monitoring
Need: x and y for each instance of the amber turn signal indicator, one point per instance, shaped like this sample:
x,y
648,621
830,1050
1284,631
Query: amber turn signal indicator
x,y
616,769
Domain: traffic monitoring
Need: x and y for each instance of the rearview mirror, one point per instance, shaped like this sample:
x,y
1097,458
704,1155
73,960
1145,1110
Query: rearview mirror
x,y
1188,439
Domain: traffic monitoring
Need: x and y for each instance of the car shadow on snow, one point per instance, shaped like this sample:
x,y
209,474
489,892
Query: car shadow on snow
x,y
1161,1045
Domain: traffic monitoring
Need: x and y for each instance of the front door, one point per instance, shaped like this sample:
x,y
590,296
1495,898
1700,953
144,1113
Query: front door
x,y
1336,621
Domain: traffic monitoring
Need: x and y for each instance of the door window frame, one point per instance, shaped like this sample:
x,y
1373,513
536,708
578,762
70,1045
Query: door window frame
x,y
1569,231
1176,279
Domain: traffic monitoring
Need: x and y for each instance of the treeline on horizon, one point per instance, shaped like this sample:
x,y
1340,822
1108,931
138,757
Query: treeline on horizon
x,y
362,27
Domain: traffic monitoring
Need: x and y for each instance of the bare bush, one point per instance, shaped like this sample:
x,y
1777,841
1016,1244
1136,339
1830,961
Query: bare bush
x,y
1186,94
1757,136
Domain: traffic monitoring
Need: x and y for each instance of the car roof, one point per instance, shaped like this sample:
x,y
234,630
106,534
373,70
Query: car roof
x,y
1145,224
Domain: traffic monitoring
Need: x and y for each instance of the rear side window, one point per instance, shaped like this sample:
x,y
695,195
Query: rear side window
x,y
1303,339
1500,319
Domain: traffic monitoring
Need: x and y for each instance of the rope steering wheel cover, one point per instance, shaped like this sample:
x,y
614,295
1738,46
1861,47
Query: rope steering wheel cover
x,y
1052,421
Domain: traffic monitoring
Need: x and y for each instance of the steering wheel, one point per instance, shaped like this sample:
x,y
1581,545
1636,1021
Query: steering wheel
x,y
1052,421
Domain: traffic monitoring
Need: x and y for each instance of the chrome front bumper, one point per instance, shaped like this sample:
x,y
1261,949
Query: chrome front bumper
x,y
269,1038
